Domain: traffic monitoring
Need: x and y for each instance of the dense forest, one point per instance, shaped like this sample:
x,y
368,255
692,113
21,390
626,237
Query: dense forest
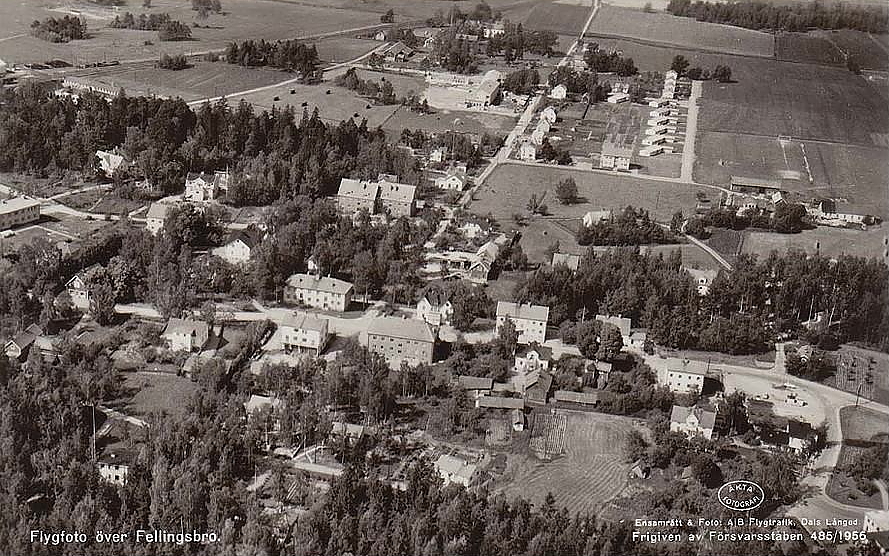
x,y
786,17
290,55
743,311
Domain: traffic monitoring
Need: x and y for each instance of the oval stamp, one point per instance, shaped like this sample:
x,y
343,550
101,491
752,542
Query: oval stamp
x,y
741,496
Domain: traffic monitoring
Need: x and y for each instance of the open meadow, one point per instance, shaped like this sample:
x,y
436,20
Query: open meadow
x,y
669,30
831,242
241,19
589,473
564,19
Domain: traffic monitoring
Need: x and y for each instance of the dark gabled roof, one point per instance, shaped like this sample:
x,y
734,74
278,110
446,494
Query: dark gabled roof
x,y
541,388
251,238
475,382
799,429
545,353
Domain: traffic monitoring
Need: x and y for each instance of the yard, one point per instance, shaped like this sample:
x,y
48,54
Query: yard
x,y
583,479
156,393
669,30
844,489
97,200
860,423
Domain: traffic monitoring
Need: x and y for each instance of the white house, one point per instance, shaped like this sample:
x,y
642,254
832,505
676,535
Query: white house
x,y
205,187
683,382
702,279
156,216
186,334
455,179
528,151
532,359
693,421
530,320
114,466
537,136
616,157
316,291
110,162
304,333
559,92
435,307
78,288
238,248
438,154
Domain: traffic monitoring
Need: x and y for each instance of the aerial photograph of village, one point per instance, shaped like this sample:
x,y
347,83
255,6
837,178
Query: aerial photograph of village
x,y
444,277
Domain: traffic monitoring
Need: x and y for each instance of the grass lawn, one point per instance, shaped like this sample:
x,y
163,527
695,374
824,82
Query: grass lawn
x,y
156,392
101,201
844,489
342,49
831,242
679,31
444,120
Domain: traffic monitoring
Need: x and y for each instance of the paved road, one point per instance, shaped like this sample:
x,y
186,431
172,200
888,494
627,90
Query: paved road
x,y
691,131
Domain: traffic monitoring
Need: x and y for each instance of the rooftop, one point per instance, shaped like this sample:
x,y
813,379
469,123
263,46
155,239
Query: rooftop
x,y
567,259
304,321
158,210
319,283
187,326
496,402
397,192
408,329
475,382
358,188
17,203
436,295
522,311
455,466
706,419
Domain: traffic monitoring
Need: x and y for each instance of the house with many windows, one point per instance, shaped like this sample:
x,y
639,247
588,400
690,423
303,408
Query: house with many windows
x,y
401,340
435,307
18,211
320,292
303,333
530,320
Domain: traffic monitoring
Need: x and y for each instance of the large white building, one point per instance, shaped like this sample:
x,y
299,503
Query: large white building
x,y
683,382
18,211
304,333
320,292
530,320
486,92
238,247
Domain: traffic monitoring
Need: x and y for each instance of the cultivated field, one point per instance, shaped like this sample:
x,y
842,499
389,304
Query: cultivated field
x,y
807,48
869,51
831,242
243,19
863,371
798,100
861,423
342,49
844,172
668,30
564,19
590,473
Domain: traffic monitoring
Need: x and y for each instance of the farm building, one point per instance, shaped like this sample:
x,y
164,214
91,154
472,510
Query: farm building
x,y
474,386
566,259
693,421
654,150
496,29
530,320
616,156
559,92
658,102
498,402
825,211
537,387
596,216
18,211
401,340
435,307
319,292
351,432
754,185
581,398
304,333
487,92
156,216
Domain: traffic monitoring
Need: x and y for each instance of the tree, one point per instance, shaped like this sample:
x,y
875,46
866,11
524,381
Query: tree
x,y
723,74
102,298
146,4
610,343
566,191
679,65
388,17
676,222
588,338
634,446
507,339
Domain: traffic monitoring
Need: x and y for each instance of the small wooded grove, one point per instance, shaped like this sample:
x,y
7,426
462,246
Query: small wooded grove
x,y
290,55
745,309
59,29
801,16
